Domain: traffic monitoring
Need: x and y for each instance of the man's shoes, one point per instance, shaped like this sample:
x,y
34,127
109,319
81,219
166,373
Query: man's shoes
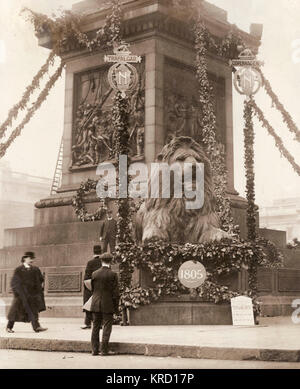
x,y
10,331
85,327
94,353
107,353
40,329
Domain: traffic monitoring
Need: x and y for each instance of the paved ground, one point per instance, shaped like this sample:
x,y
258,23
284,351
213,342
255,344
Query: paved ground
x,y
19,359
272,334
276,339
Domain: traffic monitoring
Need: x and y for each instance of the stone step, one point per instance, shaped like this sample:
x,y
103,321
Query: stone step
x,y
167,313
275,236
56,255
54,215
291,258
52,234
277,306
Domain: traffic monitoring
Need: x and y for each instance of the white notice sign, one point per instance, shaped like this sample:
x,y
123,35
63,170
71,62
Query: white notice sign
x,y
242,311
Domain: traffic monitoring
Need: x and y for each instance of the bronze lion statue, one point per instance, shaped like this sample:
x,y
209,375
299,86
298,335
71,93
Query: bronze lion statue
x,y
168,218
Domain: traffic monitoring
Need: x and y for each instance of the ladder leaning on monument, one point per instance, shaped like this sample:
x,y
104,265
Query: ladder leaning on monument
x,y
58,170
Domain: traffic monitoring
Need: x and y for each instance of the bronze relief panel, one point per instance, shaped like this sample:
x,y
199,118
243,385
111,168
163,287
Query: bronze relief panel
x,y
93,133
182,109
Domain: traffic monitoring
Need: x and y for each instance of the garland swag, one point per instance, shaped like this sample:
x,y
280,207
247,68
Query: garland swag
x,y
214,150
275,101
21,105
249,169
278,141
31,111
220,258
79,203
64,31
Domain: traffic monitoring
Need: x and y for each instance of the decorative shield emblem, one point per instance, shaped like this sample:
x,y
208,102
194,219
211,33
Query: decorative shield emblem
x,y
123,77
247,81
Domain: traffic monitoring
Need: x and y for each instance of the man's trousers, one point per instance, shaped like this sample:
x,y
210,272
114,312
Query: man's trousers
x,y
35,323
88,318
112,244
106,319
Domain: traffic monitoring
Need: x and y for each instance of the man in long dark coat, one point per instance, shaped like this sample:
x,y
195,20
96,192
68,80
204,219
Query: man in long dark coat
x,y
108,232
92,265
27,286
105,302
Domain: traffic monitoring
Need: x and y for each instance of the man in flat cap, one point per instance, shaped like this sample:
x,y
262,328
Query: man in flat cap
x,y
27,286
105,302
92,265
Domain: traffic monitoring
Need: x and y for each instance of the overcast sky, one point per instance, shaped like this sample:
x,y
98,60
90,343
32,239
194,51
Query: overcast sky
x,y
35,152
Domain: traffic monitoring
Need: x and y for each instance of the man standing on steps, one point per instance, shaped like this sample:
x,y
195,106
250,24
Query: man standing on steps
x,y
108,232
92,265
27,286
105,302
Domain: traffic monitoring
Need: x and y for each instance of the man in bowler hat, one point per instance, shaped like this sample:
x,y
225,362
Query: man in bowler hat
x,y
92,265
108,232
27,286
105,303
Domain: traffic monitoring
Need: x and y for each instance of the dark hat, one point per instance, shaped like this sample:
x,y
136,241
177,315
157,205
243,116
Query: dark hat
x,y
106,257
97,249
27,254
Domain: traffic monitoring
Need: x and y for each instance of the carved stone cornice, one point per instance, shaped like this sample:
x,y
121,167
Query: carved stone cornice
x,y
66,195
154,19
64,199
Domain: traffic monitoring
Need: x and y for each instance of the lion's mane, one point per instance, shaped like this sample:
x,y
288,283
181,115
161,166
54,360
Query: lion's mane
x,y
167,218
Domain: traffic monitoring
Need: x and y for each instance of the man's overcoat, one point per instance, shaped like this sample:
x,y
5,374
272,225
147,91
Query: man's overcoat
x,y
27,287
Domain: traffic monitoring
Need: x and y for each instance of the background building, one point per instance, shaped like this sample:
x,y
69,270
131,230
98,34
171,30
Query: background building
x,y
283,214
18,193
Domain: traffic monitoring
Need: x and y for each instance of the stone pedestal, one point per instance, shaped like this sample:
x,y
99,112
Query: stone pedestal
x,y
166,99
181,312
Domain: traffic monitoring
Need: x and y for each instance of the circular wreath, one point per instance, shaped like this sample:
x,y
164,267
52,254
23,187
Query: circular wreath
x,y
79,206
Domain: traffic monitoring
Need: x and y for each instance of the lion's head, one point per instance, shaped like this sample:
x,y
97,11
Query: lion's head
x,y
169,218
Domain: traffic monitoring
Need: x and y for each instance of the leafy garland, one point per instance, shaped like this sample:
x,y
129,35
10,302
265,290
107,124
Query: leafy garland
x,y
278,141
21,105
31,111
120,118
162,260
249,169
214,152
228,47
274,255
65,30
106,36
121,147
79,203
294,244
285,115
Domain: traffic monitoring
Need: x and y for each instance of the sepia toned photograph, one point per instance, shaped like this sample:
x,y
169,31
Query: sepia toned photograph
x,y
149,187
